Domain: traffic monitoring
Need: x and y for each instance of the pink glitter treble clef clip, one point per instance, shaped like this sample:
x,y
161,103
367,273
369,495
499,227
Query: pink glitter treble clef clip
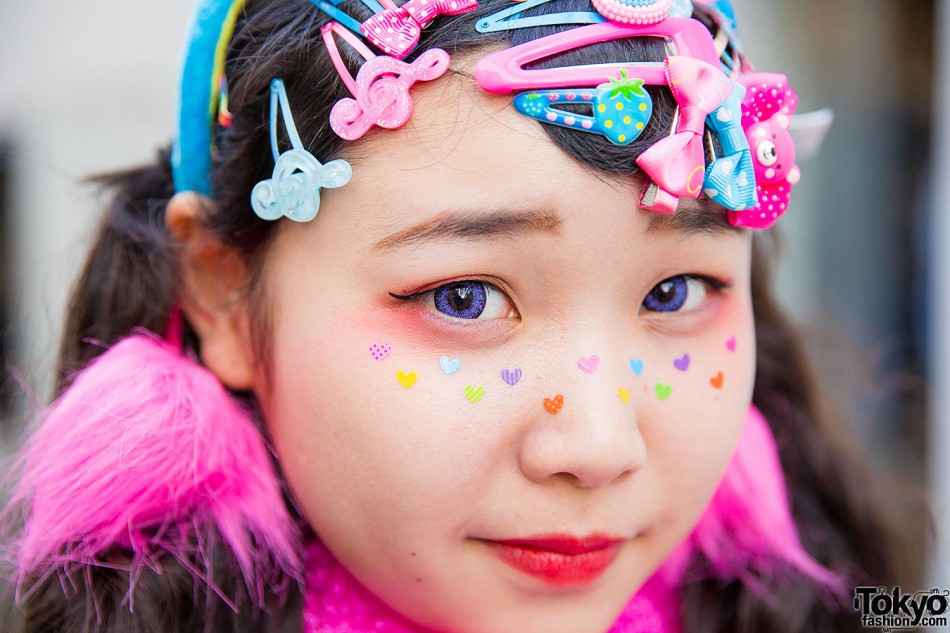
x,y
381,87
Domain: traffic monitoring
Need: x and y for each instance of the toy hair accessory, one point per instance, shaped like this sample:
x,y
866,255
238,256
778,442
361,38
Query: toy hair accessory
x,y
381,86
509,19
162,466
634,11
677,163
621,108
330,8
505,71
396,31
294,189
766,111
730,178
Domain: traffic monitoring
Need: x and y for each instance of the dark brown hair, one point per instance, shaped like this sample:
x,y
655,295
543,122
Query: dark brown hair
x,y
131,278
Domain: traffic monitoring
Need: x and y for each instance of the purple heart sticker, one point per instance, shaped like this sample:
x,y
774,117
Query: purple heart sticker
x,y
511,376
682,363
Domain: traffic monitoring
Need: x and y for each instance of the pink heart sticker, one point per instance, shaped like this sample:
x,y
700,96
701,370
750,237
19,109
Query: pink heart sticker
x,y
589,365
379,350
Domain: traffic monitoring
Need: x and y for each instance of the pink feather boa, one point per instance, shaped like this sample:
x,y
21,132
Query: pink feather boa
x,y
147,451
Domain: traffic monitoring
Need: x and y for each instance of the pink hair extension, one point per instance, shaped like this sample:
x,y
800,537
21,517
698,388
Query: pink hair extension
x,y
147,451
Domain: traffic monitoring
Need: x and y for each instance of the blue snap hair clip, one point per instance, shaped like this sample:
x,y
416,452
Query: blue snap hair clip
x,y
506,19
329,7
621,108
294,189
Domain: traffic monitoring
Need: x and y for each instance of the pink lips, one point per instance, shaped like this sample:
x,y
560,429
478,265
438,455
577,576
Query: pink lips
x,y
559,560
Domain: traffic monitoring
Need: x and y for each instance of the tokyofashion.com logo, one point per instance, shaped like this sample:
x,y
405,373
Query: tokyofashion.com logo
x,y
894,610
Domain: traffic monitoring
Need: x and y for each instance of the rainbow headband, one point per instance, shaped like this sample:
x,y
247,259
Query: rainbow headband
x,y
730,139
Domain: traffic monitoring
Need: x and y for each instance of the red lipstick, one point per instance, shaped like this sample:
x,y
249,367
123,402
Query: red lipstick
x,y
559,560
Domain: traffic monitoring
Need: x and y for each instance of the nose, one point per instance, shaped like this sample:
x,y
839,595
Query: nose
x,y
593,440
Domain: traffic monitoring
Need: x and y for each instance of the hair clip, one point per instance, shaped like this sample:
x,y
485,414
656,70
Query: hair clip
x,y
504,71
329,7
643,12
730,177
381,87
507,19
766,110
396,31
620,108
294,188
677,163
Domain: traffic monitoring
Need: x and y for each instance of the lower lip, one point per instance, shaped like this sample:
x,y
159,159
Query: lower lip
x,y
556,568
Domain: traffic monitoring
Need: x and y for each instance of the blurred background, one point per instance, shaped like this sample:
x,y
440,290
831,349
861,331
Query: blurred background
x,y
88,87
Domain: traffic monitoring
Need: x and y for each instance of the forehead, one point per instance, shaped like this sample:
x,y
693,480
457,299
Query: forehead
x,y
468,162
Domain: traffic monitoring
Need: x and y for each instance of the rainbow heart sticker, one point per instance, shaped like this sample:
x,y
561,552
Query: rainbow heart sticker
x,y
511,376
554,404
407,379
663,391
379,350
449,365
589,365
474,394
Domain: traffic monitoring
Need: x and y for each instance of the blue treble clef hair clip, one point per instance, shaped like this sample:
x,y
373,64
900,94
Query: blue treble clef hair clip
x,y
294,188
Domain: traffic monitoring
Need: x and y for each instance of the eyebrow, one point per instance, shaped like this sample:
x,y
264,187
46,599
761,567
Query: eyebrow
x,y
473,224
690,219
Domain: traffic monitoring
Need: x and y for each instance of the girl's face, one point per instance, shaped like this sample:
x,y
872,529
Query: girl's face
x,y
500,392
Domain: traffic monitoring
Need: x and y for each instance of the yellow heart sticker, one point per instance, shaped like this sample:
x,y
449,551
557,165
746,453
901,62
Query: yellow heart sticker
x,y
406,380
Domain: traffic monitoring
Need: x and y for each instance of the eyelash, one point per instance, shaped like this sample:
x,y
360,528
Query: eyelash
x,y
463,289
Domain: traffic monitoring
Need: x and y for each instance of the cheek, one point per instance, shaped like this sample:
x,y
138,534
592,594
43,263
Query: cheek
x,y
692,431
377,441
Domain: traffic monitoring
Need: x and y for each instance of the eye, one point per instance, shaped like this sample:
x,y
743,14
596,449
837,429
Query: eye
x,y
767,153
677,294
468,299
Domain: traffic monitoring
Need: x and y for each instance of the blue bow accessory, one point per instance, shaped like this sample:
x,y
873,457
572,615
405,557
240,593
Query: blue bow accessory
x,y
730,178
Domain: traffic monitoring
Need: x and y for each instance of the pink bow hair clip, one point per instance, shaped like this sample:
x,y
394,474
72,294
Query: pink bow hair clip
x,y
677,163
381,87
396,31
766,114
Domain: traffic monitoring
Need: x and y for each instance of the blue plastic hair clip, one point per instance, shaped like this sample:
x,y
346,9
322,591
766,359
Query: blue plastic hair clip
x,y
620,108
730,177
330,8
506,20
294,188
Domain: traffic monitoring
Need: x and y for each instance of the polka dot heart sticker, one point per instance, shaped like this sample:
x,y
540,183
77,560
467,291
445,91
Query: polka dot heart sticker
x,y
379,350
553,405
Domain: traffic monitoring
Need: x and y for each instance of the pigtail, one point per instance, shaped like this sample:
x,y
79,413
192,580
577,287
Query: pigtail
x,y
150,497
130,276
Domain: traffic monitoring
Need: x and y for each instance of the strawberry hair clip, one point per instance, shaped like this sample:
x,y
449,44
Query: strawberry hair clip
x,y
708,149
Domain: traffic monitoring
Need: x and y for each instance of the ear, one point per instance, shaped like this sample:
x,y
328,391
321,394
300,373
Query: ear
x,y
212,292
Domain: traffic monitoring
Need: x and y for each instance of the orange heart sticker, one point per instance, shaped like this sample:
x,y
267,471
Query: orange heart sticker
x,y
716,381
554,404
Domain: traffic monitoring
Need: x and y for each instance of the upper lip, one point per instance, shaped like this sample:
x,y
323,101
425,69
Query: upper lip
x,y
563,543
